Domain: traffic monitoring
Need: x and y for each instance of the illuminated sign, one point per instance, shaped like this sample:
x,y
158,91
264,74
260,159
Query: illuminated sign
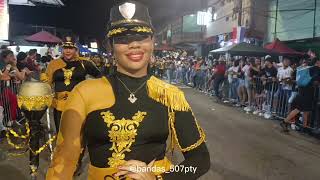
x,y
94,45
4,20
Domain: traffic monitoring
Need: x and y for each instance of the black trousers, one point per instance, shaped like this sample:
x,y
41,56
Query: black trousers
x,y
57,117
217,82
36,133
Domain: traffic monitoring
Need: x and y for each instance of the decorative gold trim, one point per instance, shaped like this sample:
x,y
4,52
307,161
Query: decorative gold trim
x,y
174,133
15,146
16,135
167,94
122,134
69,44
36,103
142,29
67,73
43,147
116,31
127,21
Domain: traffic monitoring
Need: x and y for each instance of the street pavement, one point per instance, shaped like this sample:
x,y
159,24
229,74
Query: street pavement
x,y
242,147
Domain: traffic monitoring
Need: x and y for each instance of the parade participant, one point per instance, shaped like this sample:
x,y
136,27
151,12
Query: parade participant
x,y
126,119
65,73
304,102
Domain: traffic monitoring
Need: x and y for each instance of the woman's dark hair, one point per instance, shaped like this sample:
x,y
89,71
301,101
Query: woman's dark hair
x,y
5,53
38,57
21,56
32,52
44,59
236,63
252,61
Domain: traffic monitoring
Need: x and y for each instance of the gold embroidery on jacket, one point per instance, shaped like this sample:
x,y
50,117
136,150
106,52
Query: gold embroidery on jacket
x,y
122,134
67,75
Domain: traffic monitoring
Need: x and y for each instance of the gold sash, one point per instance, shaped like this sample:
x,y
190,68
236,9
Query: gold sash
x,y
95,173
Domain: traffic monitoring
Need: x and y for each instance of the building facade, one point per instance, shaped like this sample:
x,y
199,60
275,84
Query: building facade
x,y
225,22
297,23
234,21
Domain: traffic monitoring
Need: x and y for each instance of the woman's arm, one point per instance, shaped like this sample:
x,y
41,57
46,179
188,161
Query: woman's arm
x,y
190,139
20,75
69,142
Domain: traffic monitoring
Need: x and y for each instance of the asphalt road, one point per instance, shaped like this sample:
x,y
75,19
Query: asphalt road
x,y
242,147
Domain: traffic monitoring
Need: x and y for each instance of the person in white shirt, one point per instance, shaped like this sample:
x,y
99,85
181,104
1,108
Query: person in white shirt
x,y
284,92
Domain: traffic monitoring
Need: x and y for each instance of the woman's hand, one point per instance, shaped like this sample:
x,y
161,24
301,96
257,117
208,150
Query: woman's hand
x,y
137,170
5,76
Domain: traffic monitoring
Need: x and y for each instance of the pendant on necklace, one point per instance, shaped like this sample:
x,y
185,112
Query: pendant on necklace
x,y
132,98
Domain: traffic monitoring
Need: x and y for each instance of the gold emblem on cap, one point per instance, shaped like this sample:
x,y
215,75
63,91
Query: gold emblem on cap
x,y
68,38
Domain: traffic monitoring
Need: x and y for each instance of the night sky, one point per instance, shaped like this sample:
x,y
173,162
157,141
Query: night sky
x,y
88,18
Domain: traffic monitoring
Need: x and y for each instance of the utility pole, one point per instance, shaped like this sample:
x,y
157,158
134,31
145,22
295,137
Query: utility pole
x,y
276,20
239,12
314,19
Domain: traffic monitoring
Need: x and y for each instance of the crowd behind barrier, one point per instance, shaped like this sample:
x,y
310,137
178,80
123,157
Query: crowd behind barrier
x,y
261,86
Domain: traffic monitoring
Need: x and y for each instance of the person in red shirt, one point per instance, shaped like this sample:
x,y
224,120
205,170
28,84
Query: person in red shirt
x,y
219,74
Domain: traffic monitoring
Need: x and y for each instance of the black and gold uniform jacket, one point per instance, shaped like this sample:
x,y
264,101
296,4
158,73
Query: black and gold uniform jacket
x,y
63,76
99,115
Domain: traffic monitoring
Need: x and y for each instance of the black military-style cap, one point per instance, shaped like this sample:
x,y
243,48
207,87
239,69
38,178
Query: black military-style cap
x,y
129,17
69,42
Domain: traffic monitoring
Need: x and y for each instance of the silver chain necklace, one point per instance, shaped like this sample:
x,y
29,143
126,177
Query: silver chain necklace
x,y
132,98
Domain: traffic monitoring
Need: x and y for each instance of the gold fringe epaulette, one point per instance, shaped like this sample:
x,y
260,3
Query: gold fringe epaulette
x,y
167,94
82,59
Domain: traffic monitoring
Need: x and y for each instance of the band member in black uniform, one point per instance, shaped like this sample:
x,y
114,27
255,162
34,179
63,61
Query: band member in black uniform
x,y
127,118
65,73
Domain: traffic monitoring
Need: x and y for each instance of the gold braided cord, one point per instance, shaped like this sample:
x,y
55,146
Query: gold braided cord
x,y
17,154
200,130
19,146
16,146
43,147
35,103
116,31
15,134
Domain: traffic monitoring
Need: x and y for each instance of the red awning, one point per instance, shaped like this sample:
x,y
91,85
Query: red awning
x,y
44,37
278,47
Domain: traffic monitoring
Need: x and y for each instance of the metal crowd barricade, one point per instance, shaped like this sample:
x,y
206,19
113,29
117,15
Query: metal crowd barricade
x,y
281,102
270,89
8,100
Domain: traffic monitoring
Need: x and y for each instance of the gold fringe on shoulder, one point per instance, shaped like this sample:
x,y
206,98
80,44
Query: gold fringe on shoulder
x,y
79,58
52,67
167,94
